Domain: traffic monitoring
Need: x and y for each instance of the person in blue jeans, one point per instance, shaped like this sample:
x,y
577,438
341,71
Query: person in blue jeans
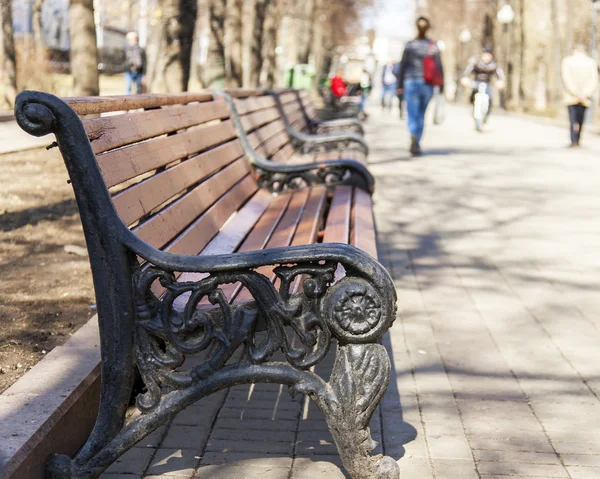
x,y
417,93
135,64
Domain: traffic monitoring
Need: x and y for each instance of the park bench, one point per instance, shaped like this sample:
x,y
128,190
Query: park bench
x,y
317,126
191,256
263,109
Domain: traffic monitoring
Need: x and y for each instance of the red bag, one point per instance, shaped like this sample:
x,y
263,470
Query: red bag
x,y
431,71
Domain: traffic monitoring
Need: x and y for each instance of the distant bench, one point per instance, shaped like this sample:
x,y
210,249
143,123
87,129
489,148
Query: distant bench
x,y
192,254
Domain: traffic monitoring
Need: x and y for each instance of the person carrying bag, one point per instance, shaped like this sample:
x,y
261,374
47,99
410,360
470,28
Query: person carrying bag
x,y
420,71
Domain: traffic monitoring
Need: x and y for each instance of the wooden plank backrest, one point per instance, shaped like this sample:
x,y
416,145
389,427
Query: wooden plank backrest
x,y
174,165
262,122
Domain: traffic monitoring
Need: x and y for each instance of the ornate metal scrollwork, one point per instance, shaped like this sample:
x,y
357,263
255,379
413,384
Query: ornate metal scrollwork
x,y
192,317
279,182
196,316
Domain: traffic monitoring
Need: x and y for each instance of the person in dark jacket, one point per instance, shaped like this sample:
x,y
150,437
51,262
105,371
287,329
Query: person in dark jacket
x,y
483,69
135,67
411,82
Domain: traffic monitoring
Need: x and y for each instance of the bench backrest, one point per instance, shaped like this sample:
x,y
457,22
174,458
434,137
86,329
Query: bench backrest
x,y
263,124
307,104
176,170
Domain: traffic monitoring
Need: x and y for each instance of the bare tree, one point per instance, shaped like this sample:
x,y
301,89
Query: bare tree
x,y
233,43
272,22
307,19
257,43
40,46
556,51
214,70
170,46
8,49
84,52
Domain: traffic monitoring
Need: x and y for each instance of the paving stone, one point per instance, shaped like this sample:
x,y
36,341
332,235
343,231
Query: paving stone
x,y
248,459
257,413
260,424
315,468
581,460
584,472
269,447
174,463
454,469
517,457
133,461
522,469
415,468
191,438
256,435
227,471
154,439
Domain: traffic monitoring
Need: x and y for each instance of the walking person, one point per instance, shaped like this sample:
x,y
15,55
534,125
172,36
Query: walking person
x,y
420,71
135,59
389,82
580,78
364,90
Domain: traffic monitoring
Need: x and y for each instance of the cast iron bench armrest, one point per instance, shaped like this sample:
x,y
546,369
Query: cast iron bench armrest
x,y
280,176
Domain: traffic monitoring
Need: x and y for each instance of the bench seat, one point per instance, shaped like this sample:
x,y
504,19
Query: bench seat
x,y
194,254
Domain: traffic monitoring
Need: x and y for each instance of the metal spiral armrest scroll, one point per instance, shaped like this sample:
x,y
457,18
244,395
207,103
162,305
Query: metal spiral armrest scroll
x,y
33,115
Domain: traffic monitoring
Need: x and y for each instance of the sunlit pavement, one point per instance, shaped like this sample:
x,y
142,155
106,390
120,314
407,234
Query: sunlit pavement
x,y
494,243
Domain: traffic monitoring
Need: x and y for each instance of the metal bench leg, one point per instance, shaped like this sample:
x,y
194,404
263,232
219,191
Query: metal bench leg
x,y
360,377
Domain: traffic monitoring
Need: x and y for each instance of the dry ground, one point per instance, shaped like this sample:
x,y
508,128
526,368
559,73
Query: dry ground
x,y
46,294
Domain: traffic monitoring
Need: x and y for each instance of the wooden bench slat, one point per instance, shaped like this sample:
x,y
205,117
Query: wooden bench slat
x,y
261,234
198,235
255,120
337,228
89,105
273,145
107,133
282,236
139,200
259,136
363,223
252,104
172,220
231,235
284,154
127,163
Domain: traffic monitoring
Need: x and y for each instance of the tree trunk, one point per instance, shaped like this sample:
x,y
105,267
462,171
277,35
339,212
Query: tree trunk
x,y
271,40
556,52
233,43
178,22
214,71
570,32
256,48
9,66
38,38
308,19
84,51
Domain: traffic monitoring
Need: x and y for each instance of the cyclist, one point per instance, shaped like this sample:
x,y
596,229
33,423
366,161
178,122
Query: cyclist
x,y
483,69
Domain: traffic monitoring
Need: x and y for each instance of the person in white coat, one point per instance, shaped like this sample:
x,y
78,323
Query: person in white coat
x,y
580,78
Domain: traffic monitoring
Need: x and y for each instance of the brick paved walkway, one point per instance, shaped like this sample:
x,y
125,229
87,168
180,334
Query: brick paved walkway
x,y
494,242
